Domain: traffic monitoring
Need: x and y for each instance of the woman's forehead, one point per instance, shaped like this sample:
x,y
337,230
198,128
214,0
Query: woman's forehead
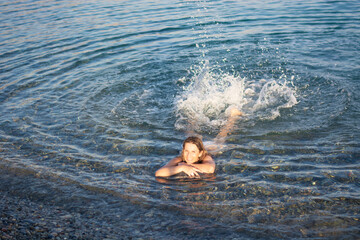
x,y
191,146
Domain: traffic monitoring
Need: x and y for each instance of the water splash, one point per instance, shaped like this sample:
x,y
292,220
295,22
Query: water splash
x,y
210,94
273,96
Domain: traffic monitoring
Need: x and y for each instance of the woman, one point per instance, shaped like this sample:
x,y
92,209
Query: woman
x,y
193,160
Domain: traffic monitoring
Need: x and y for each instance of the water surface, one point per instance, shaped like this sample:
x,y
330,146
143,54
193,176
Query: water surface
x,y
100,94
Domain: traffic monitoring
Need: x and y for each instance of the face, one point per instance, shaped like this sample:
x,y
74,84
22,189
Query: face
x,y
191,153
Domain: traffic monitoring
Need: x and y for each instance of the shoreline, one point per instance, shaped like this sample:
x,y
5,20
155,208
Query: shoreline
x,y
27,214
26,219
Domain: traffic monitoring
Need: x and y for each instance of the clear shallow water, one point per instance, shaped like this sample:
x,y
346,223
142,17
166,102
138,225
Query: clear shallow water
x,y
100,95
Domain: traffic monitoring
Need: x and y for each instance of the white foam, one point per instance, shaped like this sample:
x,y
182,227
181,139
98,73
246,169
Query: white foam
x,y
272,97
210,94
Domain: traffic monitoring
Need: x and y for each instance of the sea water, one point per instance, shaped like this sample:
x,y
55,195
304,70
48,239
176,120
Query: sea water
x,y
97,95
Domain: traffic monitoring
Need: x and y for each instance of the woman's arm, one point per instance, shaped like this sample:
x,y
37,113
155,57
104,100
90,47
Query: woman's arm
x,y
207,165
173,167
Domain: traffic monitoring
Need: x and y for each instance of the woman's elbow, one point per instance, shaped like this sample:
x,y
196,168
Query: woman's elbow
x,y
162,173
158,173
210,169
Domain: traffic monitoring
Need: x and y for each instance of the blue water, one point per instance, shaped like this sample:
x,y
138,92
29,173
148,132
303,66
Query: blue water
x,y
99,94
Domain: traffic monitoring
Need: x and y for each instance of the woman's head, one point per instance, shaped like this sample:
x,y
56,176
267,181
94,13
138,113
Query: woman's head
x,y
193,150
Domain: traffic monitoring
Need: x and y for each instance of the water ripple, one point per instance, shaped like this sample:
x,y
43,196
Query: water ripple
x,y
98,95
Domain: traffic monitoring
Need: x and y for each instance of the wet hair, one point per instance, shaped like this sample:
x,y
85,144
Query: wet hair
x,y
199,144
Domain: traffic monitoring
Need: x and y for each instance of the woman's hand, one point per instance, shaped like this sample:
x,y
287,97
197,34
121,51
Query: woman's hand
x,y
190,170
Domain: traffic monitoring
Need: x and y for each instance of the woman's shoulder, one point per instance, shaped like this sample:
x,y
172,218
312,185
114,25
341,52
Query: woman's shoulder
x,y
208,158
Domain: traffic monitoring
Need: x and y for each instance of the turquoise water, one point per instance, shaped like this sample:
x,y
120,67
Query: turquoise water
x,y
100,94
